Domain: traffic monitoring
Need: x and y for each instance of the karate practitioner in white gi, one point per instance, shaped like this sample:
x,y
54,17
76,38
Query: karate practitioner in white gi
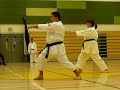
x,y
90,47
55,45
32,50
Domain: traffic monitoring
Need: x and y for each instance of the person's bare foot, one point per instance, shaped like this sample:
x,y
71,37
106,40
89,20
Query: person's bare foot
x,y
38,78
77,78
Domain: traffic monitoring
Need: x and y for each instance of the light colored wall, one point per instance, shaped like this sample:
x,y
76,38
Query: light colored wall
x,y
19,28
16,28
103,0
101,27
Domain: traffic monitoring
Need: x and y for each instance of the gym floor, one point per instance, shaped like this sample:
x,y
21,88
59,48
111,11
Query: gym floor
x,y
19,76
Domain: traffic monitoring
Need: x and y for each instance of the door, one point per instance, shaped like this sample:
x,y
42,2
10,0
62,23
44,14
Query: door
x,y
12,47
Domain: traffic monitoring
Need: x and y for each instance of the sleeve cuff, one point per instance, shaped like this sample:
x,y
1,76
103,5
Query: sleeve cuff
x,y
77,33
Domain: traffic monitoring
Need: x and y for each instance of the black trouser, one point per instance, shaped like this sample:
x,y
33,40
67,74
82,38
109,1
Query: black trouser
x,y
2,58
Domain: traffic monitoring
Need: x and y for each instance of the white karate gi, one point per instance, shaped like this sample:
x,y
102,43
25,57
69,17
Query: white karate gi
x,y
90,49
55,33
32,50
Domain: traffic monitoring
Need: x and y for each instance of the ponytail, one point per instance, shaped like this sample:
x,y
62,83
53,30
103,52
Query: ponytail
x,y
95,26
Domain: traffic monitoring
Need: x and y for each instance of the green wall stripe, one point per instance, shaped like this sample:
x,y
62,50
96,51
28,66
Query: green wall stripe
x,y
80,16
12,11
110,8
40,4
11,20
102,12
116,19
71,5
12,3
37,19
39,11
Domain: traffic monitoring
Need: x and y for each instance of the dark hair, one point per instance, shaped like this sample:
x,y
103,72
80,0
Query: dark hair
x,y
92,22
57,14
31,38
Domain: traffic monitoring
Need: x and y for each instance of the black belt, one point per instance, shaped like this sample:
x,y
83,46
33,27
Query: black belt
x,y
49,45
87,41
32,49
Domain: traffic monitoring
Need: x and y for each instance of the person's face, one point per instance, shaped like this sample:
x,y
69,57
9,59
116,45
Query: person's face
x,y
31,40
53,18
88,25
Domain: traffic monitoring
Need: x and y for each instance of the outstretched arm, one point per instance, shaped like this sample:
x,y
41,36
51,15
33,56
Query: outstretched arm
x,y
33,26
83,32
49,26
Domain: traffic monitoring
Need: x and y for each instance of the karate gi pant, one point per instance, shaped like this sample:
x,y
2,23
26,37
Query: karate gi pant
x,y
42,61
33,57
83,57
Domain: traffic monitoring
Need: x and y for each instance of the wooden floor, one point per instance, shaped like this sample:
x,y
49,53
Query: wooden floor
x,y
19,76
